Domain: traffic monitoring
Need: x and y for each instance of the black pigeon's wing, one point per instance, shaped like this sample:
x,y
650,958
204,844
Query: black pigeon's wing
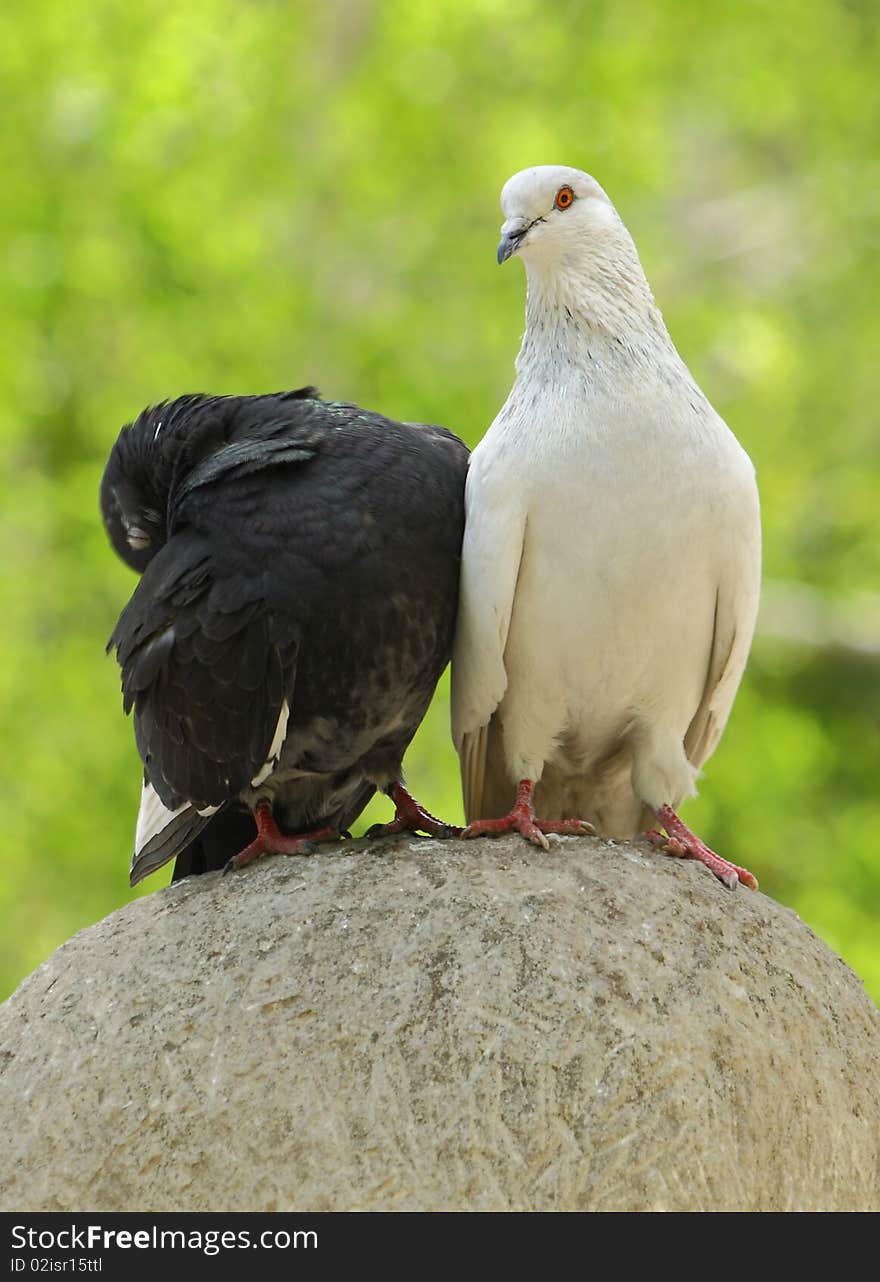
x,y
206,661
204,670
208,643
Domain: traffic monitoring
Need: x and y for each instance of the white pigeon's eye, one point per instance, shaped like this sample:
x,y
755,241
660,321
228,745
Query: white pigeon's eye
x,y
564,198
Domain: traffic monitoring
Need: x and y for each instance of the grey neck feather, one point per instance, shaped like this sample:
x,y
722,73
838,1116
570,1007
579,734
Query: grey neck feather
x,y
592,300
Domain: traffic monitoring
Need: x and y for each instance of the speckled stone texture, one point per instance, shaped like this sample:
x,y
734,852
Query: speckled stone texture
x,y
425,1025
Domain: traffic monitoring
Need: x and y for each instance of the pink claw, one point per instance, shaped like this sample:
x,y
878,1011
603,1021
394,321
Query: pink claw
x,y
682,842
522,819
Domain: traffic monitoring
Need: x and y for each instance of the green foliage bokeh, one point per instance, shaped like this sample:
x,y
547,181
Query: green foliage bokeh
x,y
237,196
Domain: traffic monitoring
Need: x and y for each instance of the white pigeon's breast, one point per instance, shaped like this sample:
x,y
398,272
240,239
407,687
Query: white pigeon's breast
x,y
632,522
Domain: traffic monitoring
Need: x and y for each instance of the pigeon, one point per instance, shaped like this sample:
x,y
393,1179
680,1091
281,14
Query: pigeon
x,y
611,559
299,563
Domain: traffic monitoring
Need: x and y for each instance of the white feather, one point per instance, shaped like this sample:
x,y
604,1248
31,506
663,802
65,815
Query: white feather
x,y
152,817
274,748
493,540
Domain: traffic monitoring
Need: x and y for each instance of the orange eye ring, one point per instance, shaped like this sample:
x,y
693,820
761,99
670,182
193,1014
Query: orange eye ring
x,y
564,198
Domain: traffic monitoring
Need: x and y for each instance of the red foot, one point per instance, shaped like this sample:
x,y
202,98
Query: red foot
x,y
270,840
411,817
522,820
682,842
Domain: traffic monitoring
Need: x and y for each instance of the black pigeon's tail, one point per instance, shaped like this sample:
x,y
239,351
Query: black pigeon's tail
x,y
174,838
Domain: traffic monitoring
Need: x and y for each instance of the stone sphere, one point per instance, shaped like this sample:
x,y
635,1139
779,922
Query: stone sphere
x,y
422,1025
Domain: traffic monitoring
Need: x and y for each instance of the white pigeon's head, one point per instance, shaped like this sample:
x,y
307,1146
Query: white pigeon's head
x,y
552,211
580,259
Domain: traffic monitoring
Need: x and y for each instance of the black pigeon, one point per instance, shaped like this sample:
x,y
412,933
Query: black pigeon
x,y
300,563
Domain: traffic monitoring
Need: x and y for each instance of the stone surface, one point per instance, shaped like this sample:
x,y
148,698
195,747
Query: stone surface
x,y
422,1025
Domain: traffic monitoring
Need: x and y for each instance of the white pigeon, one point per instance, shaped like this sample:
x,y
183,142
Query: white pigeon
x,y
611,559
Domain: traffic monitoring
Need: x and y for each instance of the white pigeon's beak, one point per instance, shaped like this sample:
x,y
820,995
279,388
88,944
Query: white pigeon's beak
x,y
511,235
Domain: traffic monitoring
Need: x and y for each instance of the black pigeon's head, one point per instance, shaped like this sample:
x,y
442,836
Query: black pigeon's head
x,y
156,457
150,458
137,482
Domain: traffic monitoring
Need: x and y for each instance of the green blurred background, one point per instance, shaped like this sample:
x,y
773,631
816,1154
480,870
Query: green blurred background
x,y
242,197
